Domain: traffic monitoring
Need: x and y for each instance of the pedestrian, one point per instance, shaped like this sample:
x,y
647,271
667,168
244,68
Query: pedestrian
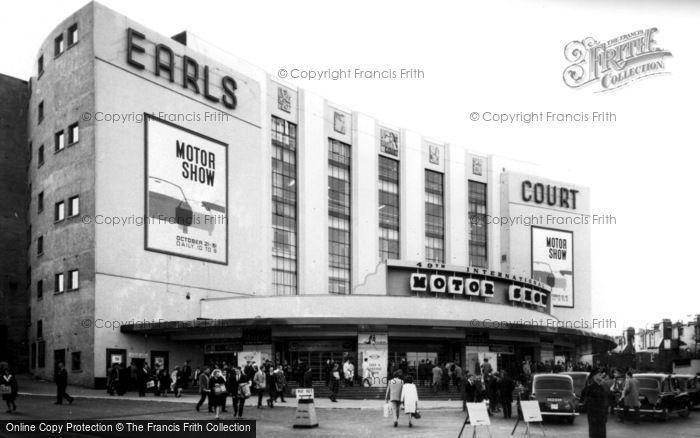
x,y
393,396
241,393
486,368
113,379
177,381
335,382
61,379
141,378
631,397
259,382
217,386
204,391
163,381
507,386
8,384
280,381
468,391
494,382
457,376
348,372
437,377
409,398
366,373
308,378
186,374
595,395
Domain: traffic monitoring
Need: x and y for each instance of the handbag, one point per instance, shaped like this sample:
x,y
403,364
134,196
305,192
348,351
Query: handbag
x,y
243,390
150,384
219,388
387,410
5,389
417,415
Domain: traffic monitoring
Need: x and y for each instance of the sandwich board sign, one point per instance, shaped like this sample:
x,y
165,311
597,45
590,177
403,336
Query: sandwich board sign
x,y
306,411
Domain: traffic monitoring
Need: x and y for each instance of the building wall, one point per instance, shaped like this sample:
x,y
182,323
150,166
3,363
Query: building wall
x,y
14,154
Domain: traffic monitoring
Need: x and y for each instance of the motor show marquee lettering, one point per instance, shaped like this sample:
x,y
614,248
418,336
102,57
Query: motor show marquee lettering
x,y
528,296
452,284
193,75
548,194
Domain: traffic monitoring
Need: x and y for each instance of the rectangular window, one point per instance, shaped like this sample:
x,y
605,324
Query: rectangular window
x,y
59,211
40,66
434,217
40,245
477,225
39,329
33,359
388,208
75,361
74,206
339,217
58,46
73,280
59,285
29,235
73,134
40,158
59,141
40,112
73,34
40,202
31,151
42,354
284,207
40,289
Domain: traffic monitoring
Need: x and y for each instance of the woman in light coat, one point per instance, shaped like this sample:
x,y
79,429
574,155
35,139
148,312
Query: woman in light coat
x,y
409,398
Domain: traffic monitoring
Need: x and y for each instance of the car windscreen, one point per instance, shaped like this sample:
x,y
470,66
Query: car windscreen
x,y
648,384
553,384
579,380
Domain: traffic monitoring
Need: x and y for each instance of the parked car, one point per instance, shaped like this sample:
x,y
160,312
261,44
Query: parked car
x,y
660,396
579,378
555,395
691,385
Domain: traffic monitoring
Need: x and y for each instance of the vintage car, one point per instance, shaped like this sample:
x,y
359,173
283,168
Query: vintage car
x,y
579,378
167,202
690,384
555,395
660,396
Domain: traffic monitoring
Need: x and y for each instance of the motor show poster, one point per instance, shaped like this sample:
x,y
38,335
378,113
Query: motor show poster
x,y
186,193
553,263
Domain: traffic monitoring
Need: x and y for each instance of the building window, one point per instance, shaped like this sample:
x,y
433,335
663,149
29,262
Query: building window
x,y
59,211
73,134
40,66
388,208
434,217
58,46
29,236
284,207
40,245
73,34
59,285
73,280
40,202
39,289
31,152
59,141
40,112
74,206
40,152
75,361
39,329
33,359
338,217
477,225
42,354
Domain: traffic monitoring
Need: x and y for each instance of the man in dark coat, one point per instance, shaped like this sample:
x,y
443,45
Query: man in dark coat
x,y
308,379
61,379
596,397
507,386
468,391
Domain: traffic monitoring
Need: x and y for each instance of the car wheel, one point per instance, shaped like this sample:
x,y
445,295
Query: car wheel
x,y
685,412
664,415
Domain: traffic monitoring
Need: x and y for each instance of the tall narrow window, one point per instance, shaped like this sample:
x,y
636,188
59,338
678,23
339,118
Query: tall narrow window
x,y
40,202
58,45
73,133
40,112
40,66
284,207
388,208
73,34
338,217
74,206
477,225
40,153
434,217
39,289
59,283
40,245
73,280
59,141
59,211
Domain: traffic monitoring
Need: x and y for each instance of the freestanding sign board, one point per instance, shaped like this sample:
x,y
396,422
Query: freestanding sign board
x,y
477,415
530,410
306,411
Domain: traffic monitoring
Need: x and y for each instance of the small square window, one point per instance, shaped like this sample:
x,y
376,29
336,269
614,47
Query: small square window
x,y
40,111
40,202
73,34
59,283
73,134
59,211
40,66
41,156
40,289
73,280
58,45
74,206
59,141
40,245
75,361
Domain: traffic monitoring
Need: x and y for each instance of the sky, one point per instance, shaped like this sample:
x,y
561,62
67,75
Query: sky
x,y
498,56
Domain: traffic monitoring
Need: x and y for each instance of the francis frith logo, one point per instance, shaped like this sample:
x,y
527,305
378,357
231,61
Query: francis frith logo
x,y
616,62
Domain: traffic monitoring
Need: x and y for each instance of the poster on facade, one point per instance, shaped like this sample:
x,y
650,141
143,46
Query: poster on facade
x,y
186,193
377,360
373,338
492,360
553,263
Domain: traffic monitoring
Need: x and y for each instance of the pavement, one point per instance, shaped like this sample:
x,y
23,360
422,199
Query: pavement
x,y
347,418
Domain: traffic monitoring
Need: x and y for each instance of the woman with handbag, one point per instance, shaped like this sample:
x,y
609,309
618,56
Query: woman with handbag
x,y
217,386
409,398
8,383
242,392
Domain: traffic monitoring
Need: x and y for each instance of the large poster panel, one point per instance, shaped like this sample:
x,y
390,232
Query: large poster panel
x,y
186,193
553,263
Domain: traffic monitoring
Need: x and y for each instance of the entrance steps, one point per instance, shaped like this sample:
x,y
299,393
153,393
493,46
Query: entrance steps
x,y
375,393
